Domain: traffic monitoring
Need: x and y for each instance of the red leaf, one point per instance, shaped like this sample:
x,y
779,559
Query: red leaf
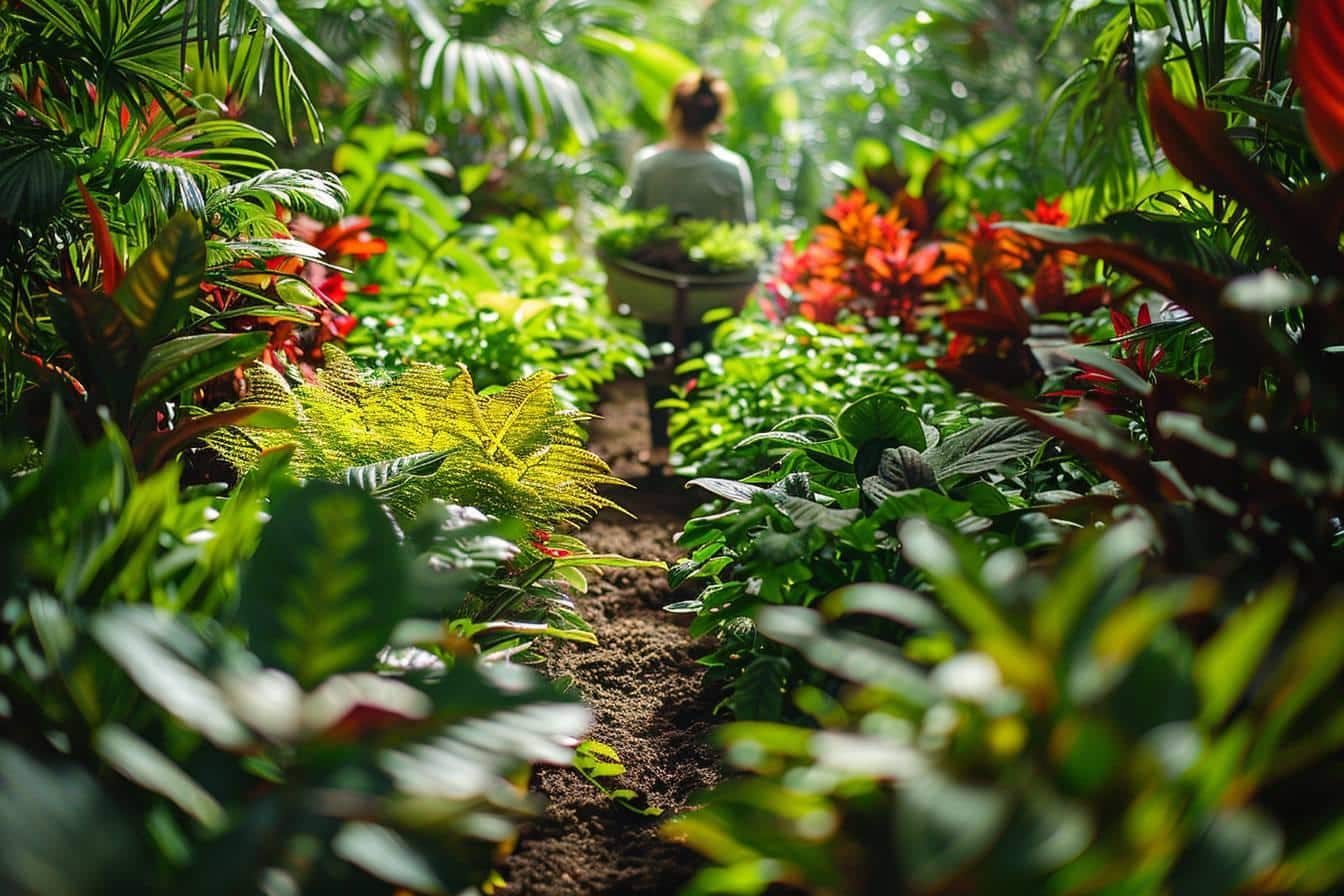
x,y
1198,147
1005,299
978,322
1318,68
102,242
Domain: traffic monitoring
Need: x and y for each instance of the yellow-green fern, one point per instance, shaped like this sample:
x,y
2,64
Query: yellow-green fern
x,y
515,453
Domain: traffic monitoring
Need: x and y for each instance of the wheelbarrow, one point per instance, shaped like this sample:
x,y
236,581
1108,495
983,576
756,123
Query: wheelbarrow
x,y
675,300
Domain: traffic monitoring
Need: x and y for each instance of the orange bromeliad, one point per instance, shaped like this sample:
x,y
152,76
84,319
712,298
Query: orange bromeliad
x,y
866,261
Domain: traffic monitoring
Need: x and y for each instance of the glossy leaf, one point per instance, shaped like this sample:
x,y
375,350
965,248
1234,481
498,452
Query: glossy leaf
x,y
880,416
180,364
1318,69
164,281
984,447
1226,663
326,586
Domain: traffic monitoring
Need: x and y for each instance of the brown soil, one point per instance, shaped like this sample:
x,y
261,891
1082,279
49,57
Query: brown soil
x,y
646,690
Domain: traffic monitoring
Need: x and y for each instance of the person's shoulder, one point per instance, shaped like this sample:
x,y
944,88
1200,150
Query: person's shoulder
x,y
646,153
725,154
729,159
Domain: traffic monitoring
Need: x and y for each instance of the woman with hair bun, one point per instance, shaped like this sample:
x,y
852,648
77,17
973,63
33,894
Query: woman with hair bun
x,y
688,174
692,177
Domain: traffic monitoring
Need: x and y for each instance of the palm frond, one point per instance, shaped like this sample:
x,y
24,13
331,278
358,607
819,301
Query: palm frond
x,y
457,72
313,193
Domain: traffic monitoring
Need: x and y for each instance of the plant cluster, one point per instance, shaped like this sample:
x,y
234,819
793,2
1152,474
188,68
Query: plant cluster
x,y
1107,658
687,246
865,262
308,678
191,688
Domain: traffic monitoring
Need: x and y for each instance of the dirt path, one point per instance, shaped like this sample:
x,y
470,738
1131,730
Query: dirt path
x,y
646,691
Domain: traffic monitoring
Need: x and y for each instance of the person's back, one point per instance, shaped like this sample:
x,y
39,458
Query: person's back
x,y
712,182
690,176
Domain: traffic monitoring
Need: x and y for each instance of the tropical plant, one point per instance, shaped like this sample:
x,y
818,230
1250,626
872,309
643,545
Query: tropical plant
x,y
213,718
506,299
515,453
760,374
124,368
837,492
1075,740
114,137
865,262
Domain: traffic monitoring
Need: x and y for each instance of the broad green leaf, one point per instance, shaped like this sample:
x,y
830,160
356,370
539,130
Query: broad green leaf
x,y
1093,562
943,825
1229,851
1310,664
387,856
141,762
847,655
180,364
326,586
1232,656
809,513
984,447
1318,865
163,657
902,605
1044,833
737,492
881,416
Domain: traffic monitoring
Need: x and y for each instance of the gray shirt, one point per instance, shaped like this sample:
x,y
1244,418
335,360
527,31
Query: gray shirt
x,y
699,183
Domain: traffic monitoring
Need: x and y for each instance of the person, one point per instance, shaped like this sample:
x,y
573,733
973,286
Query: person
x,y
689,174
692,177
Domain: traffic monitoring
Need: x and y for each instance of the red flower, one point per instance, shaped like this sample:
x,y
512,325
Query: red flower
x,y
1051,213
1102,388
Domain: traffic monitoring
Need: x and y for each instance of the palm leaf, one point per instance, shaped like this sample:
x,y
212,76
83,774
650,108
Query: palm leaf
x,y
455,72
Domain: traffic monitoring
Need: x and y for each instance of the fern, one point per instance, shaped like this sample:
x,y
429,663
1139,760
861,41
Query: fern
x,y
515,453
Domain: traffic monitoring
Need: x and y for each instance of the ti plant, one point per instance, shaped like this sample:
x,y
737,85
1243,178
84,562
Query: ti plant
x,y
126,367
1076,741
1242,467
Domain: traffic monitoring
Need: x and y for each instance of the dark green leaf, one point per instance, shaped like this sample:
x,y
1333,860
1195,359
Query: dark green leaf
x,y
180,364
326,586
